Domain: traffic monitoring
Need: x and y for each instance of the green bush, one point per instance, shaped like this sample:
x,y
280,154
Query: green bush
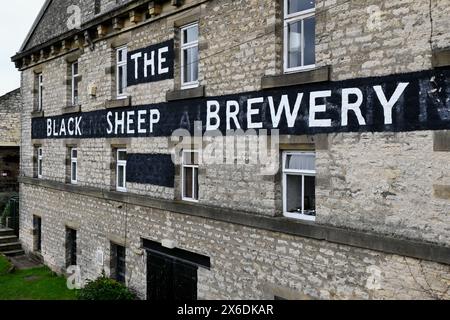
x,y
105,289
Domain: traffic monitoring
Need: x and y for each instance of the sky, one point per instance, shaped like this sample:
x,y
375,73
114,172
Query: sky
x,y
16,19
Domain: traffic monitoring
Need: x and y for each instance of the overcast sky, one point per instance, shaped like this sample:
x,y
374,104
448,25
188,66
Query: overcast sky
x,y
16,19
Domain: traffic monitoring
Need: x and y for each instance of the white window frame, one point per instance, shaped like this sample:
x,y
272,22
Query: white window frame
x,y
290,18
192,167
186,46
75,77
40,79
121,163
73,161
124,65
40,157
303,173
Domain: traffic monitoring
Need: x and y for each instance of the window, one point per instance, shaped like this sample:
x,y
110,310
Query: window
x,y
189,56
39,162
71,247
74,165
121,73
37,226
118,256
75,81
299,35
299,184
40,91
121,170
190,175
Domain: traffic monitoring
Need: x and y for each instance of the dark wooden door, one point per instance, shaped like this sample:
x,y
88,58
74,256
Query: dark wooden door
x,y
170,279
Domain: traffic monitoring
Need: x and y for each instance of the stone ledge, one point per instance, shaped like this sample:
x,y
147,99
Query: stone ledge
x,y
186,94
441,58
381,243
71,109
118,103
290,79
37,114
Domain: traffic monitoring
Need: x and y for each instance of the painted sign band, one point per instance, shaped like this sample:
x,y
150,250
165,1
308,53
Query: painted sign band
x,y
396,103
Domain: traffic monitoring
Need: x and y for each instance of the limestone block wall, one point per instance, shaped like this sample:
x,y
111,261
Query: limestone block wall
x,y
372,182
10,110
246,263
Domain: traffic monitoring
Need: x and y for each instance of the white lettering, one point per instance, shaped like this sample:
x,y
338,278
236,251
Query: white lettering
x,y
212,115
155,116
232,115
110,125
314,108
355,107
141,121
149,62
253,112
162,60
388,105
291,117
120,123
136,57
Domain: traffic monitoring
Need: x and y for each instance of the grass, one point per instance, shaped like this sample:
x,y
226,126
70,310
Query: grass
x,y
33,284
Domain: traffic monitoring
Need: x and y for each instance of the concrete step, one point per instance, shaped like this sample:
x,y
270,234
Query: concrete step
x,y
5,247
14,253
6,232
8,239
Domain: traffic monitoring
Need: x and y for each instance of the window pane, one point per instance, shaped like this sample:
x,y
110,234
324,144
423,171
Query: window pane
x,y
121,175
121,55
188,183
196,184
122,156
190,34
190,65
122,78
74,153
295,44
310,195
300,5
40,167
75,68
75,91
310,38
294,194
301,162
74,171
191,158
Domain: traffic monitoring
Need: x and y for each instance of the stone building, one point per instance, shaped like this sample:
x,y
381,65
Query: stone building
x,y
10,110
352,201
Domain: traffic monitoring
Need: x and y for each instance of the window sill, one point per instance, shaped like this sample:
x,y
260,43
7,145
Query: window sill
x,y
71,109
118,103
37,114
186,94
298,216
441,58
322,74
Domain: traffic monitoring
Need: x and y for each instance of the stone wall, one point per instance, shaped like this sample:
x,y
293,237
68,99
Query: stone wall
x,y
383,183
10,110
246,263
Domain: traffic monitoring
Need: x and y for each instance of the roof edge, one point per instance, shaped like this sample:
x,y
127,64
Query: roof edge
x,y
35,24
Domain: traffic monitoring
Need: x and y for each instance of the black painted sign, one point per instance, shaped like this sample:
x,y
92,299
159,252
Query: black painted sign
x,y
154,169
404,102
151,64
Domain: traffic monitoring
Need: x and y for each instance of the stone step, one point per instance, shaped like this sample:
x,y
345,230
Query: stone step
x,y
5,247
6,232
8,239
14,253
